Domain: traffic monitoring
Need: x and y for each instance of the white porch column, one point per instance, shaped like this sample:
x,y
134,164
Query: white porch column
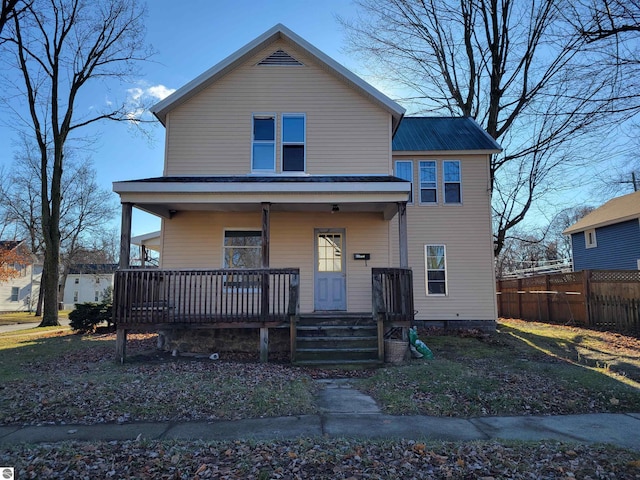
x,y
125,235
403,238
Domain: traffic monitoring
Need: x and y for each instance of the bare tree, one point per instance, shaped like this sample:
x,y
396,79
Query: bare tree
x,y
60,48
85,209
9,9
606,18
519,68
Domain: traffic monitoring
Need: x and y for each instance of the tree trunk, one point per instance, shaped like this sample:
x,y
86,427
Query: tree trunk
x,y
40,296
50,284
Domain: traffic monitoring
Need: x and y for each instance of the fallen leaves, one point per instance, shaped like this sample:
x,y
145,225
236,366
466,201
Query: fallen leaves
x,y
319,458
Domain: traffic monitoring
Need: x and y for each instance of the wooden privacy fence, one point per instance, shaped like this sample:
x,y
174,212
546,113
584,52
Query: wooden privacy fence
x,y
601,299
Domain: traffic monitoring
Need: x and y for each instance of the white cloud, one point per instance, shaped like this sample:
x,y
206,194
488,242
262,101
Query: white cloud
x,y
140,98
160,91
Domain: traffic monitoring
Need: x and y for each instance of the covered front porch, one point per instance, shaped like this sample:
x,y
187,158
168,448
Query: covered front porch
x,y
282,283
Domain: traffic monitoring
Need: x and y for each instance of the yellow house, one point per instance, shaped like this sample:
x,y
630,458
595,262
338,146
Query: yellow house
x,y
295,195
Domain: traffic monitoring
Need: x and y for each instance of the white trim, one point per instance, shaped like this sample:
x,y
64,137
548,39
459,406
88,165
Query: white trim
x,y
426,271
258,187
590,239
395,173
420,202
444,182
266,115
303,143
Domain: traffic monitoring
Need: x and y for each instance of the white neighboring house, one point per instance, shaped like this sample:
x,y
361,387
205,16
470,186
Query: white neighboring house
x,y
87,283
147,243
20,294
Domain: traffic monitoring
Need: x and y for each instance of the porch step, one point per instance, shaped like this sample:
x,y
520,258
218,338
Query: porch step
x,y
332,340
346,365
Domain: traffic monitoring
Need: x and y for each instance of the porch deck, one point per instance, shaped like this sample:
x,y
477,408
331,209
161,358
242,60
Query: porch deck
x,y
154,299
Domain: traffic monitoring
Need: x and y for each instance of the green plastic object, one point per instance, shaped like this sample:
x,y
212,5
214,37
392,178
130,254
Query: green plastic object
x,y
418,344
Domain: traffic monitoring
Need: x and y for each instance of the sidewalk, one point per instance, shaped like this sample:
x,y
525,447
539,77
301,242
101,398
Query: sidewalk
x,y
345,412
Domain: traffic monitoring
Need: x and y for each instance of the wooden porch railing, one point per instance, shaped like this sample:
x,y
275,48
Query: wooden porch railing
x,y
392,294
158,296
392,301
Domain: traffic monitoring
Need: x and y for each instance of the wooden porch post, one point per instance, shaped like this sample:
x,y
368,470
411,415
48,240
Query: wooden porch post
x,y
264,331
402,230
125,235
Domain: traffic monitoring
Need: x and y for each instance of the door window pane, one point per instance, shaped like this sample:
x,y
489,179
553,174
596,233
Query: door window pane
x,y
329,252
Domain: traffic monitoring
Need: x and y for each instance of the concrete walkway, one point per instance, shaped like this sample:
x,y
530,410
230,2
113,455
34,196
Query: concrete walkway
x,y
345,412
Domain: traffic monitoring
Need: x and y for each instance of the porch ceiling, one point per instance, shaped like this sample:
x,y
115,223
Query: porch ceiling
x,y
164,196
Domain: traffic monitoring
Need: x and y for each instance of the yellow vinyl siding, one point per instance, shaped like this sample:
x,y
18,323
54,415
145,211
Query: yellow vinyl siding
x,y
466,231
211,133
194,240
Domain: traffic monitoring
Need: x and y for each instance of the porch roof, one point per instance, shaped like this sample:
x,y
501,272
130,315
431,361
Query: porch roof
x,y
163,196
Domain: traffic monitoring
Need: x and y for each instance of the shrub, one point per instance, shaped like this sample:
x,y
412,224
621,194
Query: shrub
x,y
87,316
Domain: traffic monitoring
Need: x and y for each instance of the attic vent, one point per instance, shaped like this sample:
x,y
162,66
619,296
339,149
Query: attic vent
x,y
279,57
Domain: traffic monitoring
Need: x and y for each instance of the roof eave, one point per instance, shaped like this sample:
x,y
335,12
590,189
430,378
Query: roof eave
x,y
577,228
447,152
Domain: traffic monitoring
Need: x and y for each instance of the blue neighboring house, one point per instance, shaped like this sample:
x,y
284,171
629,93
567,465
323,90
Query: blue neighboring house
x,y
609,237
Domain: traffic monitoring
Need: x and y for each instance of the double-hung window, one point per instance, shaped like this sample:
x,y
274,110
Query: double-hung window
x,y
242,249
15,294
263,154
436,269
452,181
404,170
293,142
428,182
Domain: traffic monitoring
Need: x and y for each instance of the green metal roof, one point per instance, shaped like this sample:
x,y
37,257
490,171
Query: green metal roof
x,y
441,134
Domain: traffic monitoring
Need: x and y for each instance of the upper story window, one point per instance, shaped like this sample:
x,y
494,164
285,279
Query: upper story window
x,y
428,182
263,154
452,181
404,170
590,238
293,142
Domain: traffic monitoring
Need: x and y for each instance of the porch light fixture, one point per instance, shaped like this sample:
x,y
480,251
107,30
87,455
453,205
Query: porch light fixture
x,y
335,208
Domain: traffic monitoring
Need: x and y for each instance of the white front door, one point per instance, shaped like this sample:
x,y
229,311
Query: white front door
x,y
330,275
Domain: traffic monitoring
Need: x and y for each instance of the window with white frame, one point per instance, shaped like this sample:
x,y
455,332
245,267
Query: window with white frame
x,y
293,142
76,295
428,182
404,170
96,297
15,294
436,269
263,153
590,238
452,181
76,281
242,249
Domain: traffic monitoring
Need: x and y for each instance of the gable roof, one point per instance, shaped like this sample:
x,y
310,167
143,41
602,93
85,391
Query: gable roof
x,y
278,32
93,268
8,245
416,134
617,210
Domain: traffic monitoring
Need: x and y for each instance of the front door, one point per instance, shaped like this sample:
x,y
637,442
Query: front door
x,y
330,275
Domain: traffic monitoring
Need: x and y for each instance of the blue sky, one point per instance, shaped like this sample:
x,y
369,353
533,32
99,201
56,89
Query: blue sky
x,y
190,37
